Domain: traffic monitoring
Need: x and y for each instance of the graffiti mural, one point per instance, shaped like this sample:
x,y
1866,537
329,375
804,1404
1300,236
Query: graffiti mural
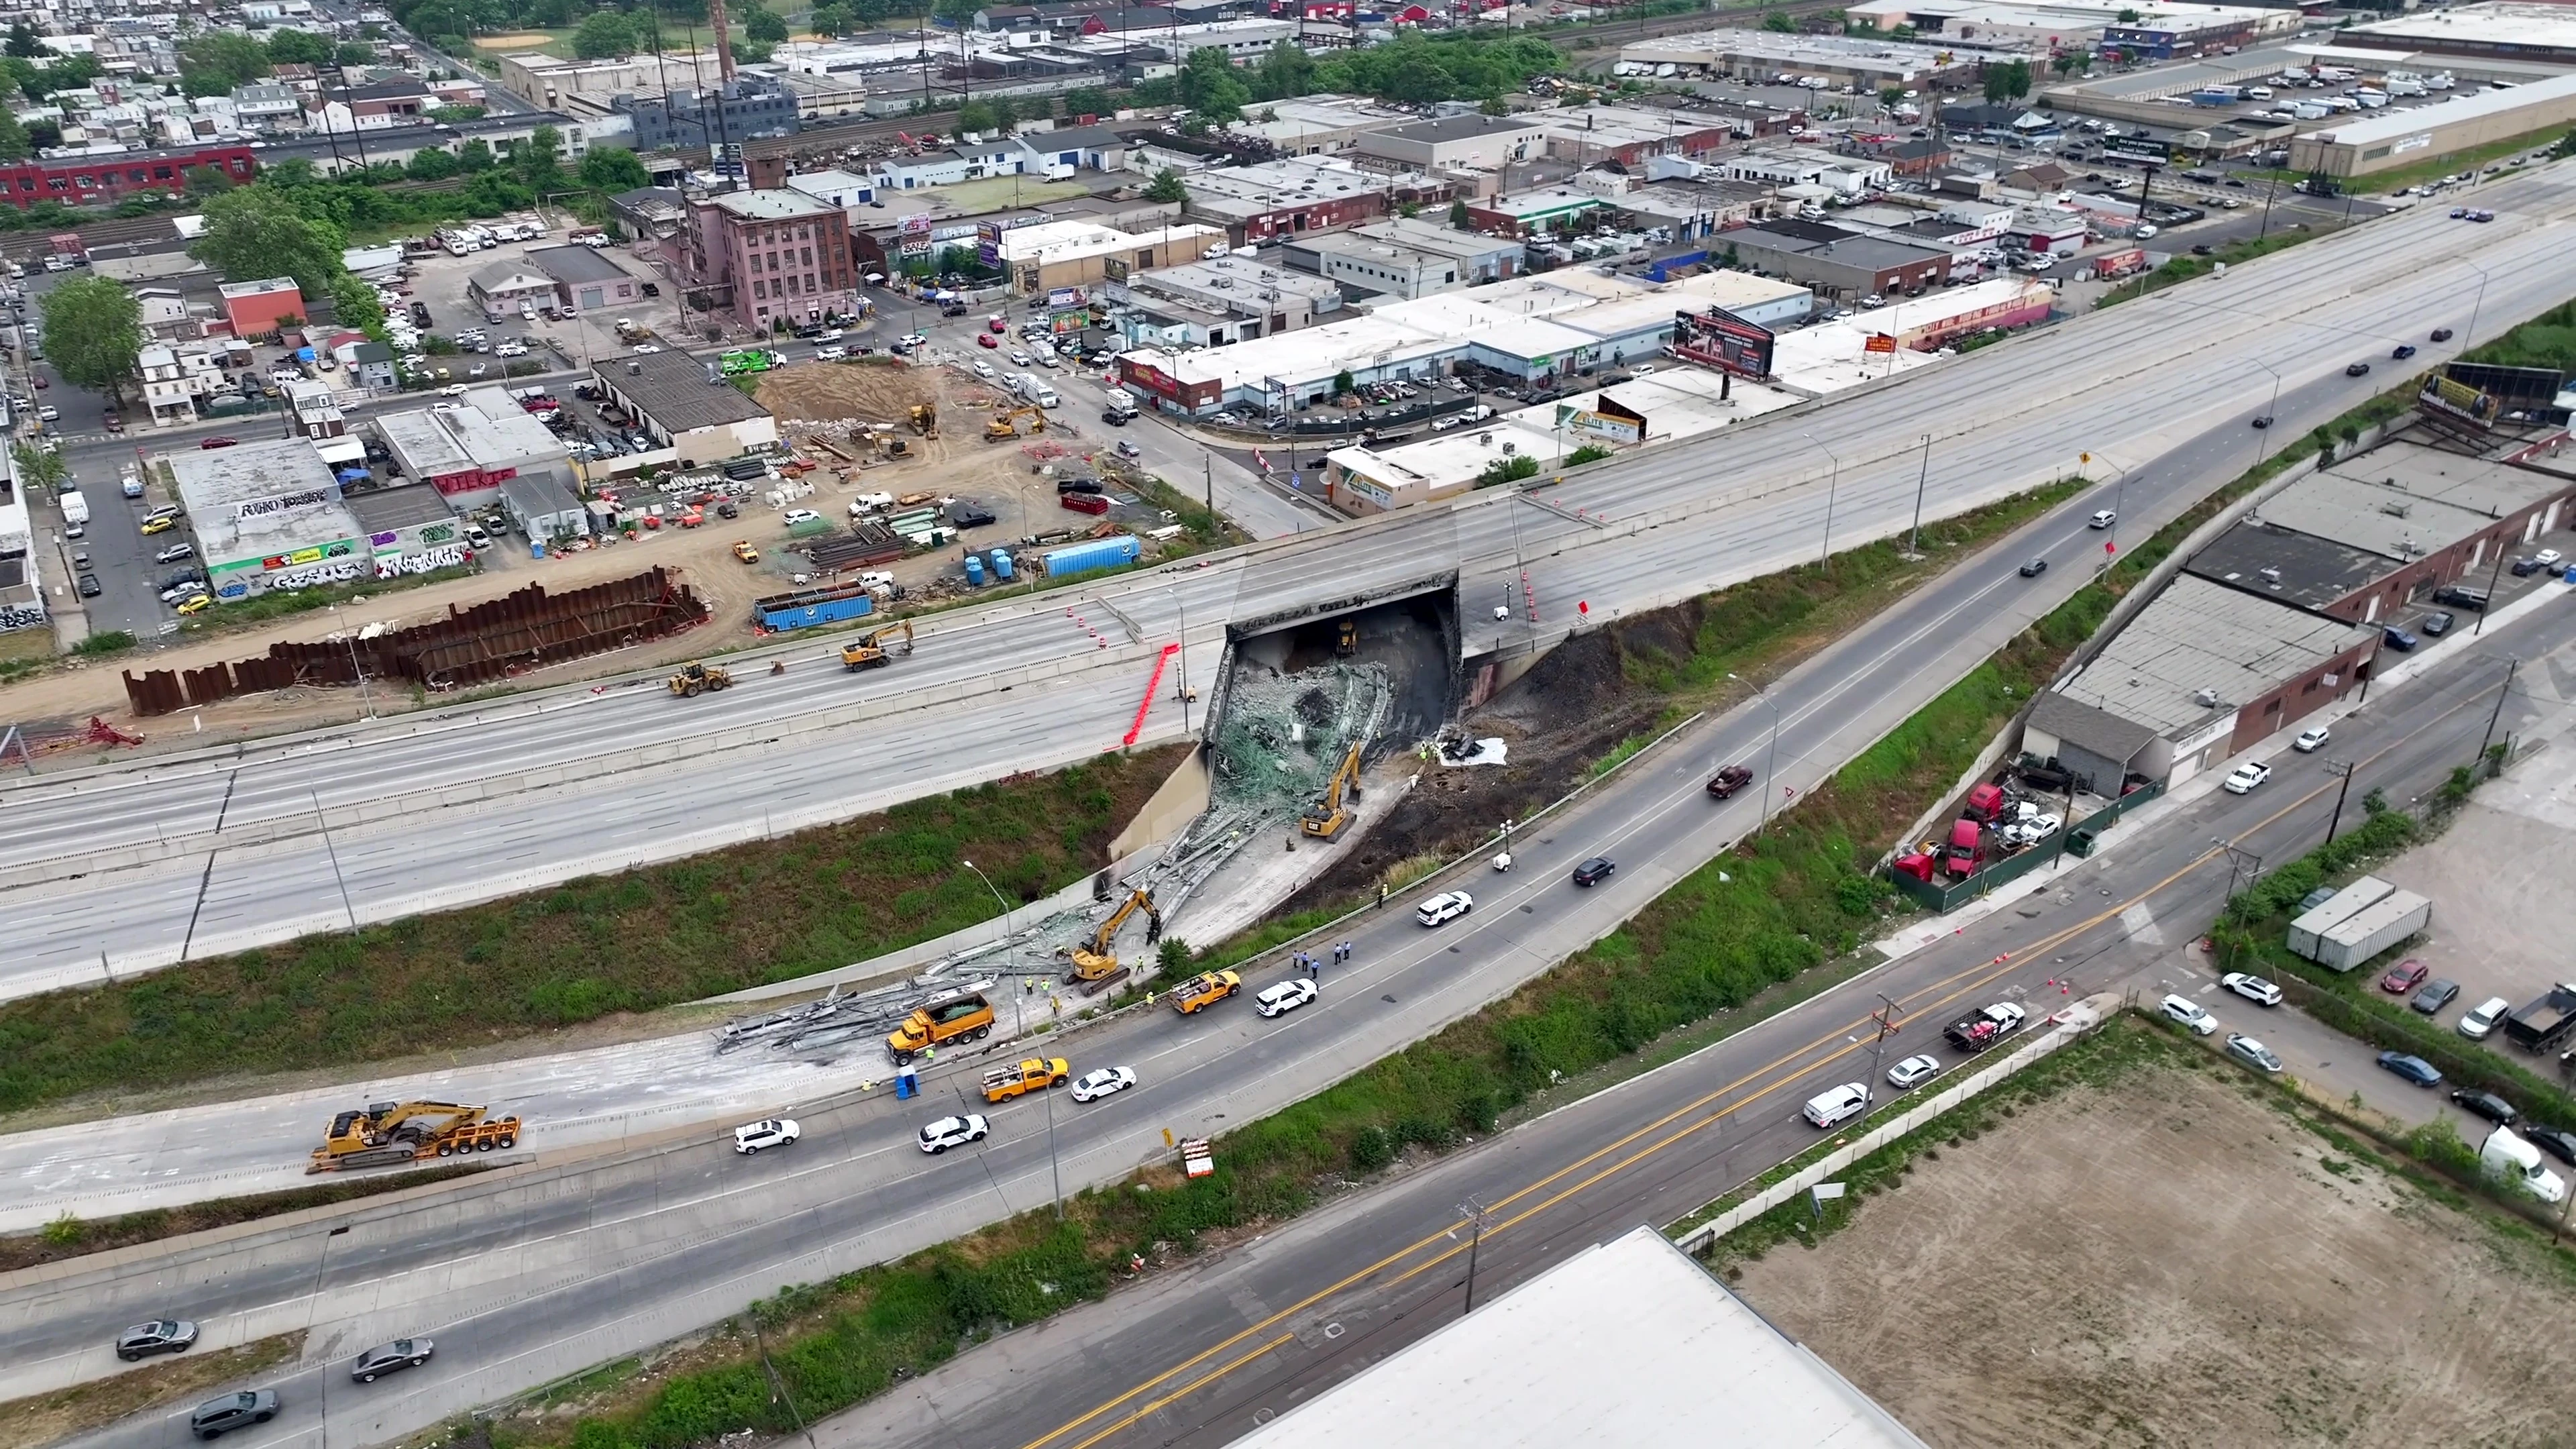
x,y
337,571
20,616
393,565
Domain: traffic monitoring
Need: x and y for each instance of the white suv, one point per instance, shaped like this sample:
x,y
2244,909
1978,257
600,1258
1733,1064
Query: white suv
x,y
950,1132
1441,909
1284,997
775,1132
1839,1105
2191,1014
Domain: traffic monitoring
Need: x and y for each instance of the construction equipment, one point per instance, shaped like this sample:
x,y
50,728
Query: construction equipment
x,y
958,1018
695,679
925,419
382,1133
868,651
1348,642
1328,817
1098,956
743,550
1006,426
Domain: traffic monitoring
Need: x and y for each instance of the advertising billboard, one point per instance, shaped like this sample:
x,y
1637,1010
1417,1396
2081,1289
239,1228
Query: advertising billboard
x,y
2137,151
2516,388
988,244
1720,339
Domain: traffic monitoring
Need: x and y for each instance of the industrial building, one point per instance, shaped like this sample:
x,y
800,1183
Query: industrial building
x,y
467,447
1763,56
1057,255
1469,142
679,399
1216,302
267,514
1319,125
770,254
1692,1364
2203,672
1276,200
1405,258
2510,30
1836,262
2390,139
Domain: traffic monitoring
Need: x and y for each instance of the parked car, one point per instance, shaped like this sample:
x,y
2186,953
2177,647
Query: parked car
x,y
1841,1104
1106,1082
2484,1104
163,1335
392,1357
2524,568
2399,640
216,1416
2403,977
2253,1054
89,586
1443,908
2310,738
2190,1014
2435,995
950,1132
2413,1069
1285,997
1913,1071
768,1132
174,553
795,516
2436,623
2253,988
2481,1019
2246,776
1595,870
2557,1143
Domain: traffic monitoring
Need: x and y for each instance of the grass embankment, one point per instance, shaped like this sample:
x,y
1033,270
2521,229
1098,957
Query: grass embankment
x,y
69,1237
2435,168
48,1418
1724,939
764,911
2184,268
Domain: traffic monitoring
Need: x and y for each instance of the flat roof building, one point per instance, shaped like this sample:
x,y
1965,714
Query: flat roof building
x,y
1064,254
1836,262
1320,125
1404,258
2390,139
2507,30
1763,55
2209,671
1468,142
267,514
1274,200
466,447
706,419
1628,1342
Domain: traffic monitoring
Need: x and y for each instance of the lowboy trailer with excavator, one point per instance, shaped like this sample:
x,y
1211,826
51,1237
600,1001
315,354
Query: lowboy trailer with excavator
x,y
382,1134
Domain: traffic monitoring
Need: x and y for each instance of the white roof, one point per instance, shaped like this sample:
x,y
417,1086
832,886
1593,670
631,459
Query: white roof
x,y
2516,29
2393,125
1626,1343
1065,241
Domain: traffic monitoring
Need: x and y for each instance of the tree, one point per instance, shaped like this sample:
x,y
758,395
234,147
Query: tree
x,y
2128,17
1507,470
2017,79
833,19
93,331
221,60
957,13
354,305
41,470
1343,382
537,161
612,170
1459,220
14,145
1495,106
474,155
603,36
24,42
298,47
1779,23
1285,73
764,27
1167,187
431,163
1588,453
1890,95
1209,86
203,181
1088,101
978,116
2566,146
352,52
258,231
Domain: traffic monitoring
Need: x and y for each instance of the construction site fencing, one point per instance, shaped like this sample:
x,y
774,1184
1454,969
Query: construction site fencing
x,y
2077,839
525,629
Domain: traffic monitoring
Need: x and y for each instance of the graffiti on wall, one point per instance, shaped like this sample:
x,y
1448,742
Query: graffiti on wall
x,y
334,572
20,616
394,565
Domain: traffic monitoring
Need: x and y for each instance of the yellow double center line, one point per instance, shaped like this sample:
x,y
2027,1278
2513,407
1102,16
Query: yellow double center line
x,y
1781,1072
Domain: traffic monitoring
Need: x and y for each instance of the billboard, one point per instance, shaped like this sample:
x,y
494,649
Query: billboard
x,y
2516,388
1720,339
2460,400
988,245
2137,151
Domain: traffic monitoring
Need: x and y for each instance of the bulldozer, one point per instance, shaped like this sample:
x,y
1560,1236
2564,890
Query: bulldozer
x,y
1097,957
383,1133
695,679
1326,819
869,651
1006,426
925,419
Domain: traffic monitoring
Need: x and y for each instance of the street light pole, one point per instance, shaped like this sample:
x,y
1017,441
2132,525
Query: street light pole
x,y
2263,434
2511,665
998,898
1832,486
1914,543
1770,757
1476,1210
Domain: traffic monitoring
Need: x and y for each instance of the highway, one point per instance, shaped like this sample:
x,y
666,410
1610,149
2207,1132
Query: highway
x,y
584,1259
448,808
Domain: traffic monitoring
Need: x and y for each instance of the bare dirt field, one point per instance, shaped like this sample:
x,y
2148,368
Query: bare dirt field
x,y
2167,1260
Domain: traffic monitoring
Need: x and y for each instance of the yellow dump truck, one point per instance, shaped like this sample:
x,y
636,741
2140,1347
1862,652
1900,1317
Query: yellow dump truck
x,y
958,1018
1001,1084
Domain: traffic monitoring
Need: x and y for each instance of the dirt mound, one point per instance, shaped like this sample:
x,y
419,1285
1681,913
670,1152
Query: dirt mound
x,y
1572,708
881,392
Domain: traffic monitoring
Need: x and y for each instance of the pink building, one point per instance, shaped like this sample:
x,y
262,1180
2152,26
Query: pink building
x,y
772,257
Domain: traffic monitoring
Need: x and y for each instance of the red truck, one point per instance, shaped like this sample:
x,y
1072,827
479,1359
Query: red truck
x,y
1966,847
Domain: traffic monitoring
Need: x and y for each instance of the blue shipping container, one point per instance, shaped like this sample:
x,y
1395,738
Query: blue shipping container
x,y
777,614
1083,558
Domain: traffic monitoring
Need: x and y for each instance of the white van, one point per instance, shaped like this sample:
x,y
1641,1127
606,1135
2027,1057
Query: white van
x,y
1838,1105
2482,1019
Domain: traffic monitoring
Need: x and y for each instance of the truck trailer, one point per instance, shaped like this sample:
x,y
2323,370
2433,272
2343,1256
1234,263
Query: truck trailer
x,y
1986,1027
2544,1024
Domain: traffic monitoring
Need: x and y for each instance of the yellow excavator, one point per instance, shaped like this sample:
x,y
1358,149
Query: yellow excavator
x,y
1006,426
925,419
869,650
1328,817
382,1133
695,679
1098,957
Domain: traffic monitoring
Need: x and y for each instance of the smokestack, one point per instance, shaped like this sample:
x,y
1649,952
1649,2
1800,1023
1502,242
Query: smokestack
x,y
724,38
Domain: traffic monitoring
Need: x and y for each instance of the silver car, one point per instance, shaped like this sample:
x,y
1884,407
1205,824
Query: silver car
x,y
168,1335
232,1411
386,1358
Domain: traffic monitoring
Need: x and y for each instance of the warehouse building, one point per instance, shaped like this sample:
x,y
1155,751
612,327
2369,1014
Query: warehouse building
x,y
1456,143
1838,263
1692,1364
467,447
1059,255
409,530
268,515
1403,258
1275,200
1761,57
2391,139
683,401
2512,30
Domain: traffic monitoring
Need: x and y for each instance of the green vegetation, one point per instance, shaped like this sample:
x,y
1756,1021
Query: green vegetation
x,y
1588,453
764,911
70,1237
100,645
1413,68
286,603
2548,340
1167,188
59,1414
2183,269
1507,470
2435,168
1722,940
93,332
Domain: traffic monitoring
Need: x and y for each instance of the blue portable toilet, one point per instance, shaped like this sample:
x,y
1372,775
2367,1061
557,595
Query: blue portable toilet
x,y
907,1085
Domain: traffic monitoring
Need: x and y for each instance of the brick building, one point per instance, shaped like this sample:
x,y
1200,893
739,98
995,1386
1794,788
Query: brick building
x,y
261,308
771,258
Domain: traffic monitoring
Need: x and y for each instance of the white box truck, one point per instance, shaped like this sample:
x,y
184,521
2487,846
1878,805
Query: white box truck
x,y
75,510
2508,1158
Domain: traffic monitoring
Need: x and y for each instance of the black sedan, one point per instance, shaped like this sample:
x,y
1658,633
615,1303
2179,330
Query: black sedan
x,y
2358,369
2033,568
2558,1144
2524,568
2485,1104
2436,994
386,1358
2435,624
2414,1069
1595,870
2441,334
2403,351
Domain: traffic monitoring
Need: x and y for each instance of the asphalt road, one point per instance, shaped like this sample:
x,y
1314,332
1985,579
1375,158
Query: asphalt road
x,y
1200,1356
584,1261
2178,370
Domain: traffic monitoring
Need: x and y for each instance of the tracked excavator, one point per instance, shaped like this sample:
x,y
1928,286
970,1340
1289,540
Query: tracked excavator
x,y
869,650
1326,819
1006,426
381,1134
925,419
1097,958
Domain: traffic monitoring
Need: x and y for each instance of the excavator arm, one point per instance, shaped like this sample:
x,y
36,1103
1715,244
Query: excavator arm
x,y
1327,818
1097,957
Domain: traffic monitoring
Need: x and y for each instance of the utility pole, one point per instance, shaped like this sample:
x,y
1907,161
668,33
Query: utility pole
x,y
325,822
1476,1211
1885,1016
2345,769
1914,543
2495,571
1207,475
2511,665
